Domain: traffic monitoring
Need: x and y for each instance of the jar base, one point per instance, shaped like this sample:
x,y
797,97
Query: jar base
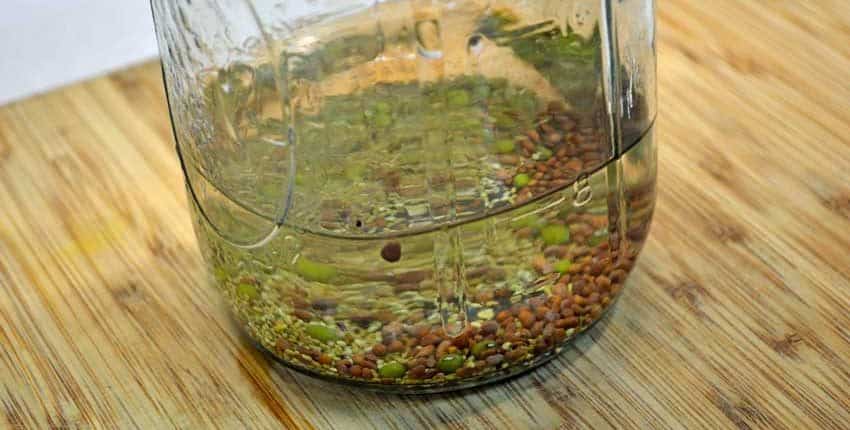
x,y
509,372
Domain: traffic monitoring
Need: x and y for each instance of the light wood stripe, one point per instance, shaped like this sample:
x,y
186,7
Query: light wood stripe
x,y
735,318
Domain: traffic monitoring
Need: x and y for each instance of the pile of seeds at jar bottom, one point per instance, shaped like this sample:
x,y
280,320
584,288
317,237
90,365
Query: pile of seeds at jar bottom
x,y
515,336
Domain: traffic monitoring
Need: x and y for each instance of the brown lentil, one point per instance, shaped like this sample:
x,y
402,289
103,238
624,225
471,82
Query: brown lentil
x,y
443,348
395,346
425,351
515,354
379,349
303,315
489,327
567,322
429,339
537,329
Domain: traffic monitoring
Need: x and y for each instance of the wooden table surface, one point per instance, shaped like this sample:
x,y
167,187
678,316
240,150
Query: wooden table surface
x,y
737,315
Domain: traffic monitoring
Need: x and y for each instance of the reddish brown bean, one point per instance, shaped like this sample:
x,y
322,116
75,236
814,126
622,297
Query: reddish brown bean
x,y
303,315
489,328
602,282
379,349
430,339
568,322
516,354
395,346
425,351
342,369
356,371
540,312
537,329
526,318
443,348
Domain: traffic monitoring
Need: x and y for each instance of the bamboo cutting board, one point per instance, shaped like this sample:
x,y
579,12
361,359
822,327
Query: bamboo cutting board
x,y
737,316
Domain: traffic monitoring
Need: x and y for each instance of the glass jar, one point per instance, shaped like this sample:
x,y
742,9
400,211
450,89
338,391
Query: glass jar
x,y
414,196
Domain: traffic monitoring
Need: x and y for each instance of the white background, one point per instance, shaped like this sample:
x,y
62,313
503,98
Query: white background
x,y
49,43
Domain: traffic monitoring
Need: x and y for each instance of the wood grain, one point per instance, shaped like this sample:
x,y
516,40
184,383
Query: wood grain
x,y
737,316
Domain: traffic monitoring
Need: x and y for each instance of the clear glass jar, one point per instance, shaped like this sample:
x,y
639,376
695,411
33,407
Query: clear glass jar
x,y
415,196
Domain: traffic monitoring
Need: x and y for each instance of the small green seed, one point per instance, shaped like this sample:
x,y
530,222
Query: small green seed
x,y
382,119
521,180
392,370
480,348
457,98
220,274
504,146
322,333
450,363
247,291
555,234
355,172
562,266
313,271
382,107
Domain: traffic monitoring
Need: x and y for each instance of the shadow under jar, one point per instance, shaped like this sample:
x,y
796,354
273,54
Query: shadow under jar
x,y
414,196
